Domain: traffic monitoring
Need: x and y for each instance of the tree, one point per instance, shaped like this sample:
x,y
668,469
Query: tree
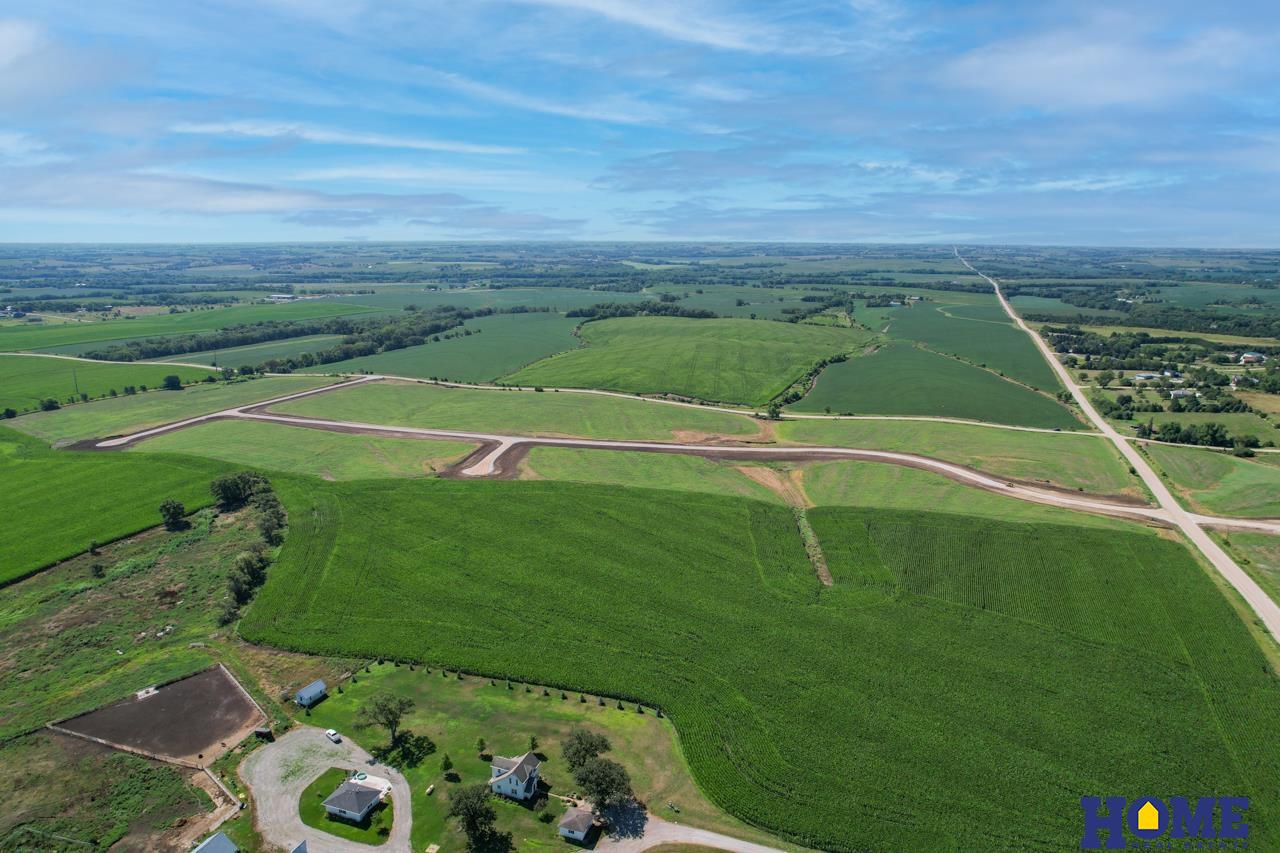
x,y
775,412
48,404
232,490
172,512
533,743
581,746
172,382
9,413
605,783
386,710
480,745
446,764
470,805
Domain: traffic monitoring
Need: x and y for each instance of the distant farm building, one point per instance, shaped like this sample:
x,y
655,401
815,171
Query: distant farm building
x,y
577,823
515,777
311,694
1182,392
1252,358
1146,377
281,297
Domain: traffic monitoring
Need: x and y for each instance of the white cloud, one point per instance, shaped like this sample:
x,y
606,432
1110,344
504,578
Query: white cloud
x,y
1106,64
443,175
18,40
615,110
333,136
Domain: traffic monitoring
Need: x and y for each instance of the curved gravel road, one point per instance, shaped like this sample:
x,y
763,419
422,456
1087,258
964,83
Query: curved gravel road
x,y
278,772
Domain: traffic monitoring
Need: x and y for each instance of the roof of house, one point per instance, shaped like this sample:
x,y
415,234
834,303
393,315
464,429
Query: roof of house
x,y
217,843
578,820
354,798
521,767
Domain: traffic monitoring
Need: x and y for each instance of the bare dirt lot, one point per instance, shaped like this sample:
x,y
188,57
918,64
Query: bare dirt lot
x,y
191,721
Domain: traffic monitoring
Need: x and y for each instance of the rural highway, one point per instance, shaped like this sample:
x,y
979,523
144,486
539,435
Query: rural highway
x,y
1188,523
499,453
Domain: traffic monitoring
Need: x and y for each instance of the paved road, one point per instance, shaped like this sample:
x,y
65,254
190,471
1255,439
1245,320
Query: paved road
x,y
1268,611
278,772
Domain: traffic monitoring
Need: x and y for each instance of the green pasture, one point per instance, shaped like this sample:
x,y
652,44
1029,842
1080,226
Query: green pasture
x,y
765,303
1258,554
980,334
648,470
988,653
556,299
1218,483
123,415
500,344
299,450
741,361
1237,423
26,380
548,413
1084,462
56,503
900,379
70,338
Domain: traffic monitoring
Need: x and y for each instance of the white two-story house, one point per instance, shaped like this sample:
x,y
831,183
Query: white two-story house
x,y
515,777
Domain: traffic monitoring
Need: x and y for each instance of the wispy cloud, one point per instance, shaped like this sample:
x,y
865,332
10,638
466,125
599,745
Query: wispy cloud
x,y
253,128
445,175
614,109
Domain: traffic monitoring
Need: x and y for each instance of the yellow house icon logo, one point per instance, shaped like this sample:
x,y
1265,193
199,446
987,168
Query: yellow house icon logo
x,y
1148,817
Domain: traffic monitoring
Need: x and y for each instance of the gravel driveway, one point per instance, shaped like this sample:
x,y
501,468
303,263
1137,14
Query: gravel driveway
x,y
278,772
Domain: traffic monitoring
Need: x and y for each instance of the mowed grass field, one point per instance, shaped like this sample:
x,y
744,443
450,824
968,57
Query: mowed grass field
x,y
1084,462
26,380
255,354
979,333
501,344
646,470
1217,483
299,450
122,415
1001,669
901,379
518,412
74,338
724,360
55,504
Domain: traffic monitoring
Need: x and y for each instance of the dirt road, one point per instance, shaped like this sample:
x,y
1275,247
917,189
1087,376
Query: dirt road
x,y
278,772
1190,525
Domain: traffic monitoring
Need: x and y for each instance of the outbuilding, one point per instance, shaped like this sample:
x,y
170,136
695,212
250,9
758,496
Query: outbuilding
x,y
352,801
311,694
577,823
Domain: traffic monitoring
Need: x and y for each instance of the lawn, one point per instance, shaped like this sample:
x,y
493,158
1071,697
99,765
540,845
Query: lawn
x,y
127,414
1237,423
1217,483
255,354
499,345
1258,554
26,380
1085,462
299,450
963,671
72,338
980,334
900,379
56,503
454,713
649,470
874,485
519,412
733,361
373,830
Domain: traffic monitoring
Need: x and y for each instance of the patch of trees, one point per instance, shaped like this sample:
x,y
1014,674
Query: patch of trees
x,y
608,310
235,491
1210,434
605,783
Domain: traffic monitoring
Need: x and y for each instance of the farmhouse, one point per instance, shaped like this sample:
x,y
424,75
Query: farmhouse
x,y
1182,392
311,694
1252,358
356,797
515,777
576,823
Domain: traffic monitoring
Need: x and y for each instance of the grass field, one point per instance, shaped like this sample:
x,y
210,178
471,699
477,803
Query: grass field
x,y
1237,423
255,354
1258,554
1070,461
647,470
502,343
298,450
454,713
26,380
73,338
734,361
56,503
518,412
966,631
558,299
372,831
121,415
981,334
1220,484
900,379
876,486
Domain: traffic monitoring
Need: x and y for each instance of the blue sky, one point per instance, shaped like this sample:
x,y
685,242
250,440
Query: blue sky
x,y
1118,123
